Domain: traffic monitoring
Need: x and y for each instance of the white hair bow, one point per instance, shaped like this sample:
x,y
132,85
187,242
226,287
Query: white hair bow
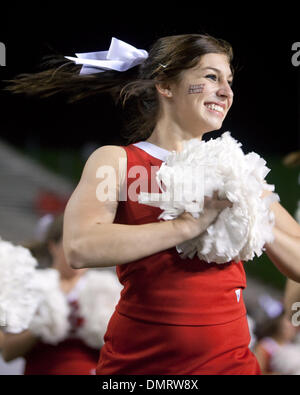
x,y
120,57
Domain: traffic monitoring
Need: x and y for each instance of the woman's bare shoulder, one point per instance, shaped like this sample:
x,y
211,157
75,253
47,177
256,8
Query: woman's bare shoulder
x,y
109,155
109,151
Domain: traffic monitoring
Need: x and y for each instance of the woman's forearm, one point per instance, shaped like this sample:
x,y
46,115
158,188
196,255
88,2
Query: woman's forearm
x,y
284,252
17,345
115,244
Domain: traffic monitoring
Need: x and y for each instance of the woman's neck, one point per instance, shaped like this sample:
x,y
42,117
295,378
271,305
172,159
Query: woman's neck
x,y
170,136
67,273
68,282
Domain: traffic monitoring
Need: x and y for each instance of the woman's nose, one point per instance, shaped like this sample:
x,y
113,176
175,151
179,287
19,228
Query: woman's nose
x,y
225,91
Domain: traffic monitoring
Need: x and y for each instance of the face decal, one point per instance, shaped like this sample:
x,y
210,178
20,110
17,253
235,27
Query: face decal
x,y
196,88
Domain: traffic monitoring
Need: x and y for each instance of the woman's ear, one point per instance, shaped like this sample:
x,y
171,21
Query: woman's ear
x,y
164,89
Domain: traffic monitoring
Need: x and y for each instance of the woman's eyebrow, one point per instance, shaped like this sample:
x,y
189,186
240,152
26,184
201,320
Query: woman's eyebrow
x,y
217,70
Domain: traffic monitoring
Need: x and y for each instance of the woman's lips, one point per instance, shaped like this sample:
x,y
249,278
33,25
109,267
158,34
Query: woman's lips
x,y
215,109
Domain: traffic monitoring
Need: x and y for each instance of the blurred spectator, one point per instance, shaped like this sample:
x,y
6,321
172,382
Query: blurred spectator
x,y
48,202
272,336
252,327
42,226
292,159
272,307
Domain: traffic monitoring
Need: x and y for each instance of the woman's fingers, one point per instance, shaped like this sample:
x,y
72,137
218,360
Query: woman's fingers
x,y
216,203
221,204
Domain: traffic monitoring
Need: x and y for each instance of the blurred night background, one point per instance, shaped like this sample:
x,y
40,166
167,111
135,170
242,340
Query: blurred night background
x,y
60,136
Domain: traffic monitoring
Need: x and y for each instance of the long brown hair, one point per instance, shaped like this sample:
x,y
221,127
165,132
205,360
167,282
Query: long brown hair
x,y
134,89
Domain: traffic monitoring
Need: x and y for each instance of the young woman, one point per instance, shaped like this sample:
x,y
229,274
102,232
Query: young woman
x,y
175,316
277,333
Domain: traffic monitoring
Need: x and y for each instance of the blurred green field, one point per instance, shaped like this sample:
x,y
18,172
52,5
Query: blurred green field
x,y
67,162
70,162
288,189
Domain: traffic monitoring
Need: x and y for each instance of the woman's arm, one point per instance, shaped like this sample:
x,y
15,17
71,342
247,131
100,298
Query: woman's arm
x,y
284,252
17,345
90,237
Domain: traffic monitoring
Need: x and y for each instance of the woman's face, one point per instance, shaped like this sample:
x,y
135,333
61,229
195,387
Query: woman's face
x,y
59,259
199,102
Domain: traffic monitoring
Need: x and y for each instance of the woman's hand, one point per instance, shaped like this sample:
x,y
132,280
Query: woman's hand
x,y
193,227
16,345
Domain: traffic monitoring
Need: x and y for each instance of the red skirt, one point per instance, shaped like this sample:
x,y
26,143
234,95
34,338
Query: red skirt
x,y
137,347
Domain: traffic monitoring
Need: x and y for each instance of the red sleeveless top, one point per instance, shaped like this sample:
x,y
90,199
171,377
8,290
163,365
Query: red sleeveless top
x,y
163,287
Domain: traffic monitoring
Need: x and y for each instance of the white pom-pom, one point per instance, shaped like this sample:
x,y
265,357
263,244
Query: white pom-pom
x,y
50,322
220,165
286,360
18,298
97,300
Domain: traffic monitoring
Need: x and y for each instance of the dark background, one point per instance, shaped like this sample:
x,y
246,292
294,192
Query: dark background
x,y
265,113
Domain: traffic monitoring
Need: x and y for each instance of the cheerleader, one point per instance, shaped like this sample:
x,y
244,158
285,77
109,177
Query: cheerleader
x,y
175,316
275,335
65,334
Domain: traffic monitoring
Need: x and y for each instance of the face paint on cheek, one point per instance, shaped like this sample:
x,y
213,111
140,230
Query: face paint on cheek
x,y
199,88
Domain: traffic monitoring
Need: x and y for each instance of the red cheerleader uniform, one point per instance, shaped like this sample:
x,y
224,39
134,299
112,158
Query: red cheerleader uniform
x,y
175,316
69,357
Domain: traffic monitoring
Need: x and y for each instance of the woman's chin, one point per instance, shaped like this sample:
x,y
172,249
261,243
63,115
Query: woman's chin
x,y
206,127
213,127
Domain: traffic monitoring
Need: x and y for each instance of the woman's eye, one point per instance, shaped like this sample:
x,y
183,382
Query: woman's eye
x,y
212,76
